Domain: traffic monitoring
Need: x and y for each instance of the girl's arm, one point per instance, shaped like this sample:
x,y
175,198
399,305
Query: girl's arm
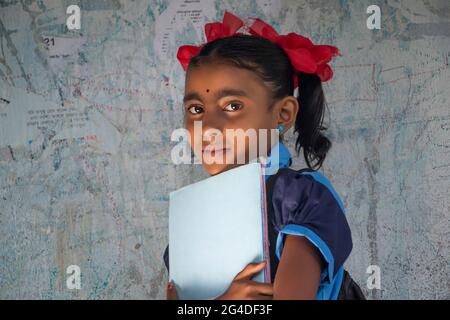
x,y
299,269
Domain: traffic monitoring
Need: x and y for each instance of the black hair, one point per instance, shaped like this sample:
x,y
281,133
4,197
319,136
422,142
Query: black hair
x,y
272,65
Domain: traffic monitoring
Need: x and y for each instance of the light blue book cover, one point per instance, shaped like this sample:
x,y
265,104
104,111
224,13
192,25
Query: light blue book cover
x,y
216,227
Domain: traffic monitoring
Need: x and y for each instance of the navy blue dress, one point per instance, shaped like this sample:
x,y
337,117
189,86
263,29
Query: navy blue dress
x,y
304,203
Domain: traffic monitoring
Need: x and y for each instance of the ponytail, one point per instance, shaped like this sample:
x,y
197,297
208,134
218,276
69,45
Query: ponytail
x,y
308,123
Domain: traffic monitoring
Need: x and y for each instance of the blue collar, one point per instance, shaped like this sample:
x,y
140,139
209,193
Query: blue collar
x,y
284,158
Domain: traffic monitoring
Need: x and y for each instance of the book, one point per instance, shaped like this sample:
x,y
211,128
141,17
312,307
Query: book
x,y
216,227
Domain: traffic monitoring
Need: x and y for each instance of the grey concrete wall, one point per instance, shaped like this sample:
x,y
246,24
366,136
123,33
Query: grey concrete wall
x,y
86,118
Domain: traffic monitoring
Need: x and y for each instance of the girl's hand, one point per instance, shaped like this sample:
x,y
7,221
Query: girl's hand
x,y
242,288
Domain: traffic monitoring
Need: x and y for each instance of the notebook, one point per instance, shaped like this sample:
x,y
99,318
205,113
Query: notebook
x,y
216,227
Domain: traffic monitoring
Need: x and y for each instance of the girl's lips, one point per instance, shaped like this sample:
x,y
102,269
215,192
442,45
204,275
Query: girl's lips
x,y
215,150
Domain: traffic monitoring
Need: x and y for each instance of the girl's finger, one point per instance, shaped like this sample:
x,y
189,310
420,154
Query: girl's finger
x,y
171,292
261,297
250,270
262,288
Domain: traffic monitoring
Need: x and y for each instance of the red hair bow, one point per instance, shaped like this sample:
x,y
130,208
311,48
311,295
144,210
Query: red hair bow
x,y
304,55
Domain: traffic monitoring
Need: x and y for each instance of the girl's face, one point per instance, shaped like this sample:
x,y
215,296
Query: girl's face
x,y
224,97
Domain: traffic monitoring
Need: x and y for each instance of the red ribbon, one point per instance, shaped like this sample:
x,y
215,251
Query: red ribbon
x,y
304,55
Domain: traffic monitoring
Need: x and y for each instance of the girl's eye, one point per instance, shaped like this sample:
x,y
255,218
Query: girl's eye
x,y
195,109
233,106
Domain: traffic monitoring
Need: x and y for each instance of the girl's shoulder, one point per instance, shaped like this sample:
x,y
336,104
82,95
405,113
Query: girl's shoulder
x,y
296,186
304,202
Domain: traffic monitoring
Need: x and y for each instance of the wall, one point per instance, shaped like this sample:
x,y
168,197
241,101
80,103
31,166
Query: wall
x,y
86,118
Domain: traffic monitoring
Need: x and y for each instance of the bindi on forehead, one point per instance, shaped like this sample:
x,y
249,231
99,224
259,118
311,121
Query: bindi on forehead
x,y
207,90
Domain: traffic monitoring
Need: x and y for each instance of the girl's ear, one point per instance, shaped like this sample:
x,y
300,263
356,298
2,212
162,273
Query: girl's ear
x,y
286,112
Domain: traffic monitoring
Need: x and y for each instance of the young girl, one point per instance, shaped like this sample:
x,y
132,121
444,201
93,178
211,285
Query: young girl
x,y
262,80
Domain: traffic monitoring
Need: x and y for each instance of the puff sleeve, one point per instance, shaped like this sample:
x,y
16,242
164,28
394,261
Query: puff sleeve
x,y
306,204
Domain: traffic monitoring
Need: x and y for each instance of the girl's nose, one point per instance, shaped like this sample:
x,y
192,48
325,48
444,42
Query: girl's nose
x,y
211,122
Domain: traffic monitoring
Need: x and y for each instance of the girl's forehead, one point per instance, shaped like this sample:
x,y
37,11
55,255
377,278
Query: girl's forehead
x,y
211,78
219,71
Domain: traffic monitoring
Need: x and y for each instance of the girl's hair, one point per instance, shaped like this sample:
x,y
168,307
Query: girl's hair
x,y
272,65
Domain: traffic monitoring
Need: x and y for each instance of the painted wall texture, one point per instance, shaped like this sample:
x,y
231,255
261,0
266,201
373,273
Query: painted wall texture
x,y
86,118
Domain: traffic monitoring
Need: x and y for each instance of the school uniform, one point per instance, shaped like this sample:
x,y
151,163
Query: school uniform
x,y
304,203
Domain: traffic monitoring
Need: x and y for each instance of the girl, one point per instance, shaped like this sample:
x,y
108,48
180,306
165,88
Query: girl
x,y
262,80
